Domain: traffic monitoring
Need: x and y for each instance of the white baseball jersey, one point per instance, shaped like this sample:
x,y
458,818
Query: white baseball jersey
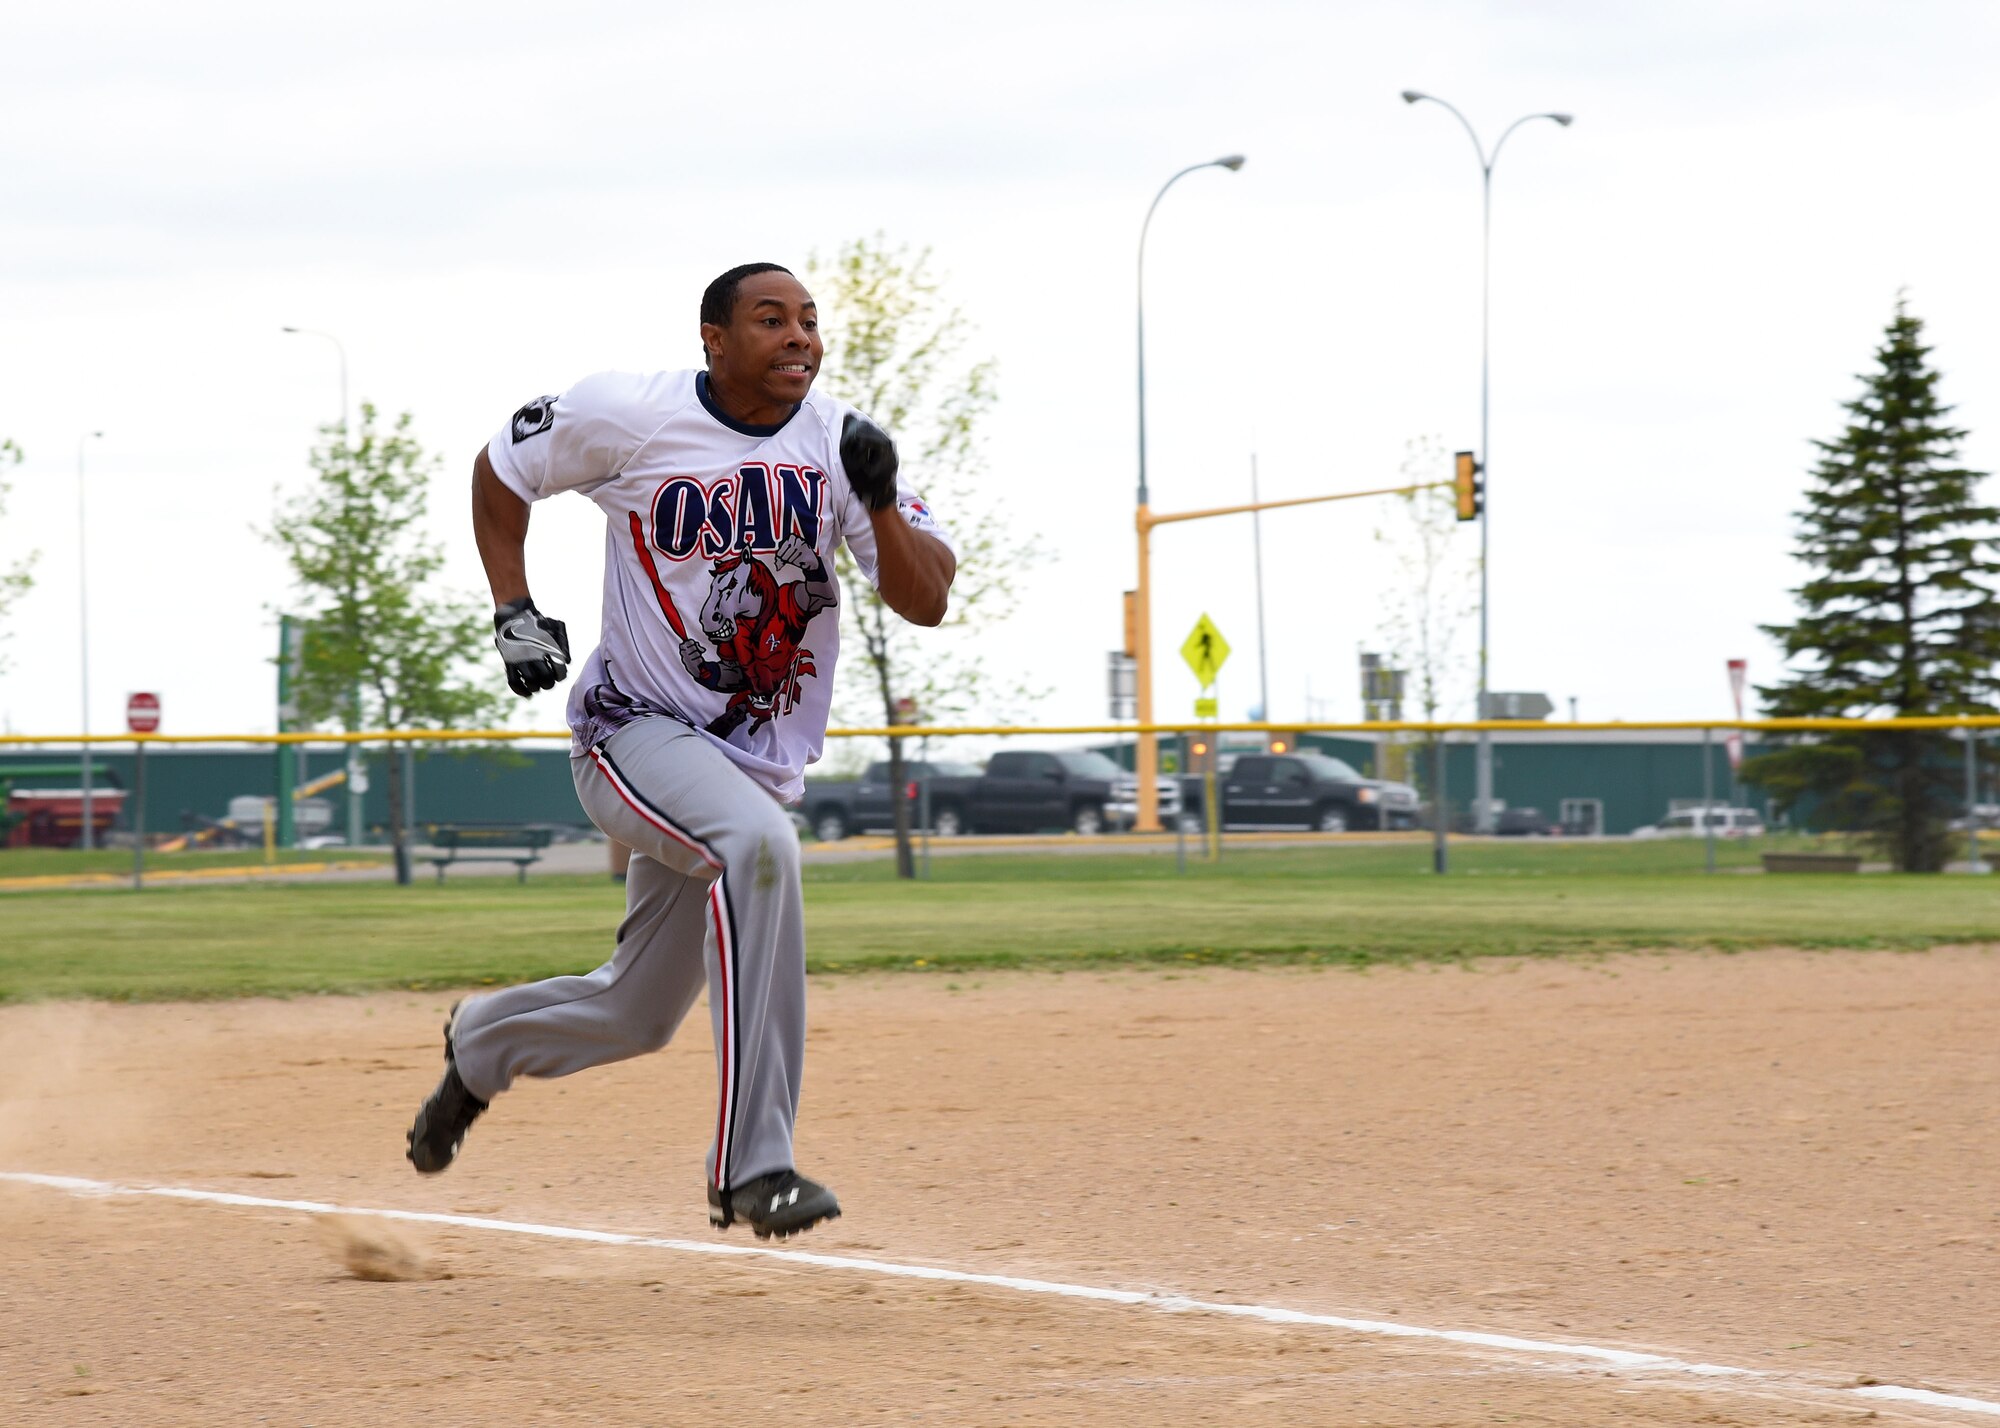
x,y
721,606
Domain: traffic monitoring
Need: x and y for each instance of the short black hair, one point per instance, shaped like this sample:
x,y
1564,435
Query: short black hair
x,y
718,303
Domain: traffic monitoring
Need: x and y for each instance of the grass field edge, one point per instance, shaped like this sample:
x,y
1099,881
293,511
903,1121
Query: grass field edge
x,y
1053,963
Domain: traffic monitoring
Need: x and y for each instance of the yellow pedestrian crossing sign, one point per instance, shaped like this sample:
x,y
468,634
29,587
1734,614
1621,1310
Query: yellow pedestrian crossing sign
x,y
1205,650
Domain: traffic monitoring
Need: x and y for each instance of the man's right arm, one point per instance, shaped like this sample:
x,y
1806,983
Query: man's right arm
x,y
500,526
534,647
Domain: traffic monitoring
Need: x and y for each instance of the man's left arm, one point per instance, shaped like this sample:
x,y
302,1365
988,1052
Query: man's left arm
x,y
913,571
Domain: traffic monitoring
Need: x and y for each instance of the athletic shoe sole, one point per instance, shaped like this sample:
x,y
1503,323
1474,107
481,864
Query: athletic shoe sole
x,y
796,1205
451,1099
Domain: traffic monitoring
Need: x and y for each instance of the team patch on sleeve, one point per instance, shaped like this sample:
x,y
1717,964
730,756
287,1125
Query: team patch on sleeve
x,y
918,513
534,418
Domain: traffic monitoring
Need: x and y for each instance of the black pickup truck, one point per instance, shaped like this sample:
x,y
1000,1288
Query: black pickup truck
x,y
1021,791
835,808
1304,790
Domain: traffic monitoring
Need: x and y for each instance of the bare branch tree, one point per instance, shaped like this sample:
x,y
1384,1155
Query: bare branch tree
x,y
1433,591
15,579
896,349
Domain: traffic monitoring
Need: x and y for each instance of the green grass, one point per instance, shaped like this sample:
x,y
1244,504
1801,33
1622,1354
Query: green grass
x,y
1341,906
1501,857
75,863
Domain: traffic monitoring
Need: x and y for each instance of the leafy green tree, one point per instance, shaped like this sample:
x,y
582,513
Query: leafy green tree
x,y
1898,616
16,579
895,348
383,645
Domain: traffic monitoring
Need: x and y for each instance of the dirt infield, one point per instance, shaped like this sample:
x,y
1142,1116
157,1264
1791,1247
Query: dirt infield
x,y
1782,1162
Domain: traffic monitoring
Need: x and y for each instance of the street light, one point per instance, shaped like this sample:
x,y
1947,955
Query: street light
x,y
1146,761
1483,793
314,332
1233,162
83,634
353,760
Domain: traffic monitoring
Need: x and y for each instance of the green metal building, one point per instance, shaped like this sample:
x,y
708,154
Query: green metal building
x,y
1634,777
185,784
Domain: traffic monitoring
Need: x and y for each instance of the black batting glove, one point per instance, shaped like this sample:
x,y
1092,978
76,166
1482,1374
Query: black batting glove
x,y
535,647
870,458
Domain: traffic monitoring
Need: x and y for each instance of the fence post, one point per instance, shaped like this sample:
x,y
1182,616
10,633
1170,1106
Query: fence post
x,y
1180,809
409,795
1440,811
1708,797
139,814
287,781
356,779
1972,860
290,766
924,811
1211,805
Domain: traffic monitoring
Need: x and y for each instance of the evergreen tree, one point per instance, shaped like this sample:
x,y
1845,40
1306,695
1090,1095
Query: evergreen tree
x,y
1898,617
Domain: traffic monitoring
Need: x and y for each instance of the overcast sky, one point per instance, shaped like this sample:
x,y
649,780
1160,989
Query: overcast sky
x,y
485,203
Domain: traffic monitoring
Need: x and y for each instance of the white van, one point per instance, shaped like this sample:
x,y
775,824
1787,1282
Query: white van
x,y
1700,822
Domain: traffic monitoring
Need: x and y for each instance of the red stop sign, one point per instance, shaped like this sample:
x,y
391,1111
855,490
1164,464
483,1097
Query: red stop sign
x,y
142,713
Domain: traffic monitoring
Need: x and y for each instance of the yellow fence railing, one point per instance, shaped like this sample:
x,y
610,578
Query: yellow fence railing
x,y
945,731
1935,722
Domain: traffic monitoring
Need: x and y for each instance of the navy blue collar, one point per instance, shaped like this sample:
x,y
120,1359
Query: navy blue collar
x,y
708,401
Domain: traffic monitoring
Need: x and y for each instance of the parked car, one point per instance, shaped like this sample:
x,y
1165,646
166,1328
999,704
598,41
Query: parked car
x,y
835,808
1699,822
1302,790
1524,823
1986,816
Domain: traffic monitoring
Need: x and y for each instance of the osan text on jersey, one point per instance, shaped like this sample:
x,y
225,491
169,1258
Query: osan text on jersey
x,y
753,508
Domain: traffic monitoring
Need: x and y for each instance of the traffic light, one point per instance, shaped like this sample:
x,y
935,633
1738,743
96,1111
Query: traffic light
x,y
1469,483
1284,743
1201,754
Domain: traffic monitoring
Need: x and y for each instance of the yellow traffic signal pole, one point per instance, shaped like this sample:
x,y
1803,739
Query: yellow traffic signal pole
x,y
1146,763
1146,758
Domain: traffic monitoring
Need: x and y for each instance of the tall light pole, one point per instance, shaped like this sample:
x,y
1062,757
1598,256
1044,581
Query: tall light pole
x,y
314,332
1257,564
1146,763
1483,782
353,758
89,835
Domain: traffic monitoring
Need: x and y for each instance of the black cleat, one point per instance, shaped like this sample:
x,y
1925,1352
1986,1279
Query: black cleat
x,y
445,1116
782,1203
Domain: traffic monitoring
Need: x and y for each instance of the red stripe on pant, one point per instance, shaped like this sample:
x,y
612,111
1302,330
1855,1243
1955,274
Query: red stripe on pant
x,y
725,952
725,957
651,814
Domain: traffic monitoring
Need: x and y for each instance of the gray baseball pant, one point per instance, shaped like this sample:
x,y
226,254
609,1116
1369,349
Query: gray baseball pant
x,y
712,895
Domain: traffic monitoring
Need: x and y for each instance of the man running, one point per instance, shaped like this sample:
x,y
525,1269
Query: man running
x,y
726,492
